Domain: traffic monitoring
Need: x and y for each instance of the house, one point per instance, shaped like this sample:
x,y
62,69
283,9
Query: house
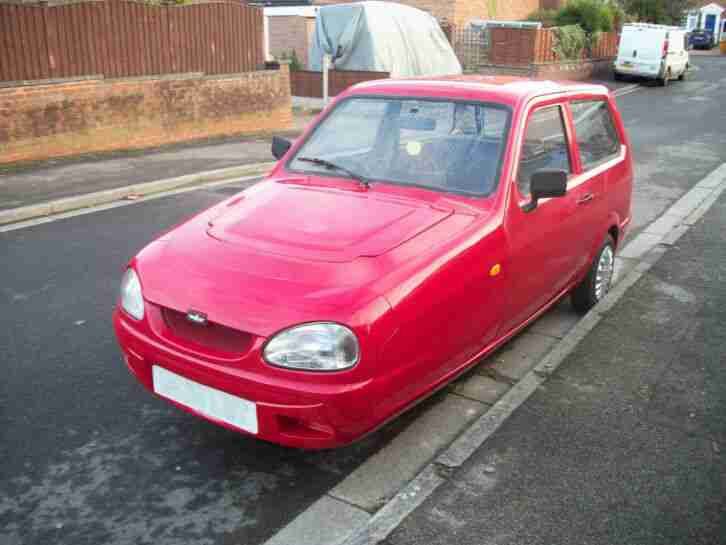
x,y
290,24
459,12
708,16
288,28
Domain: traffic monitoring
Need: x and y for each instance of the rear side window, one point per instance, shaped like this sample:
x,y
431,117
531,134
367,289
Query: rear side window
x,y
595,132
544,147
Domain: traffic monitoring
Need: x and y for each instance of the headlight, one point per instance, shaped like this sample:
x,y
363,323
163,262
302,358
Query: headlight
x,y
314,347
132,299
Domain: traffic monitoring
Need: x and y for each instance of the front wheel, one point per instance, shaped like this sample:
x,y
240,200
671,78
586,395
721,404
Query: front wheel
x,y
595,286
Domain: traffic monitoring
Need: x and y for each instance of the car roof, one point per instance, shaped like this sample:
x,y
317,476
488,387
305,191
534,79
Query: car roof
x,y
504,89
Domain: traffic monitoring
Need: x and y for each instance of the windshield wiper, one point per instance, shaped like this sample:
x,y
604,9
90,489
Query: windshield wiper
x,y
327,164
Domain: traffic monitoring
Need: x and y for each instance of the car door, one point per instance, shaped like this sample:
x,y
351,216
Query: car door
x,y
599,149
677,56
544,244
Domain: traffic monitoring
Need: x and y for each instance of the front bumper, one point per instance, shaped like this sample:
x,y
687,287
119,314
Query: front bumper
x,y
293,408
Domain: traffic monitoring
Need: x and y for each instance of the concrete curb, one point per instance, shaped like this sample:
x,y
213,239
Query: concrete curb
x,y
58,206
689,208
96,198
369,529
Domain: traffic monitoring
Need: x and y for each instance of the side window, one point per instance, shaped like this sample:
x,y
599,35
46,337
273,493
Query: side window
x,y
595,132
544,146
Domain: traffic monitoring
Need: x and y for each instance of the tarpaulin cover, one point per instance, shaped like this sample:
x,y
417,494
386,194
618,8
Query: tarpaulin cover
x,y
382,37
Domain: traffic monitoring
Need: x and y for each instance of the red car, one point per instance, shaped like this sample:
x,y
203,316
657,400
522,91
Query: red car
x,y
413,228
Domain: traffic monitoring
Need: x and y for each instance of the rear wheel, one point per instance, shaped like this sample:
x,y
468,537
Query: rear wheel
x,y
596,285
683,74
617,76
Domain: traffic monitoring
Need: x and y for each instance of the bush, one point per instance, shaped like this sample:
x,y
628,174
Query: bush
x,y
545,16
619,16
569,42
593,16
295,63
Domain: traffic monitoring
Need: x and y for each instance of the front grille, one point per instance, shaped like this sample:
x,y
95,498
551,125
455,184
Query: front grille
x,y
211,335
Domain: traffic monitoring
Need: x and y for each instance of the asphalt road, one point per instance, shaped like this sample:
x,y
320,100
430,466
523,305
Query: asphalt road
x,y
678,136
624,443
88,456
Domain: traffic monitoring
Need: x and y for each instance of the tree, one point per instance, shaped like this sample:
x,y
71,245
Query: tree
x,y
647,11
663,12
592,16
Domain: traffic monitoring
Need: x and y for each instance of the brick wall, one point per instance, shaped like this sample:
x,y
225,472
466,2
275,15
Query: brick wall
x,y
439,9
460,12
574,71
567,70
287,33
513,10
501,10
69,118
466,10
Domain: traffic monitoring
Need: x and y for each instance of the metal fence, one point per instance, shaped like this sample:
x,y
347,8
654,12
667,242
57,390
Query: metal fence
x,y
120,38
471,46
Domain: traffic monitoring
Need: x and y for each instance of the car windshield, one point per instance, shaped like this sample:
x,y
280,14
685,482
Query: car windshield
x,y
437,144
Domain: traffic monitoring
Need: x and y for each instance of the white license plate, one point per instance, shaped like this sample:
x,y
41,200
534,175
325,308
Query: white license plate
x,y
210,402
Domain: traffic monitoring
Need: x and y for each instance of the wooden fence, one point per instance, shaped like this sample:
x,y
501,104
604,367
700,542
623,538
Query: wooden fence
x,y
525,46
119,38
607,46
305,83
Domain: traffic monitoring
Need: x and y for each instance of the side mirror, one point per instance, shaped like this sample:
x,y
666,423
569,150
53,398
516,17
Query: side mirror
x,y
280,147
546,183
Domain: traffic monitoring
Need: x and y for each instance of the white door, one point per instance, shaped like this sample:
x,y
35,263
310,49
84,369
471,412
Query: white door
x,y
680,53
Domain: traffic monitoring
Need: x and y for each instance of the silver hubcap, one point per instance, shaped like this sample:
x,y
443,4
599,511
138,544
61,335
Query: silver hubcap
x,y
604,274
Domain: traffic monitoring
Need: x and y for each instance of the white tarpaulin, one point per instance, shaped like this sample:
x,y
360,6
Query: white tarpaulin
x,y
382,37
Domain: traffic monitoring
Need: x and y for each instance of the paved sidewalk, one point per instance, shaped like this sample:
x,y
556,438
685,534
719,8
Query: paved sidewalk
x,y
626,443
46,181
57,179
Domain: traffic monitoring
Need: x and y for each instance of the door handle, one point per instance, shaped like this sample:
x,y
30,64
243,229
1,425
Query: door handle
x,y
586,198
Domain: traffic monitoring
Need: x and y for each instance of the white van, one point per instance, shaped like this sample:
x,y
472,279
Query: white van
x,y
652,51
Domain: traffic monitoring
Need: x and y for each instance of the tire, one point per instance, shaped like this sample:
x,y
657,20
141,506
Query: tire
x,y
595,286
617,76
683,74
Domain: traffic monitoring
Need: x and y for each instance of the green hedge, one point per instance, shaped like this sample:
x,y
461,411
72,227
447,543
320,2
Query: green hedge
x,y
569,42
